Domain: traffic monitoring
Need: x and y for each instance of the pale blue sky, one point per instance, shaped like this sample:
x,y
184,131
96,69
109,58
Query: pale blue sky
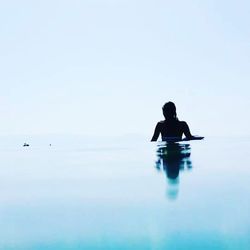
x,y
107,67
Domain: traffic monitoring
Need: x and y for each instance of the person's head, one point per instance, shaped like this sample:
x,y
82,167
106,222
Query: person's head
x,y
169,111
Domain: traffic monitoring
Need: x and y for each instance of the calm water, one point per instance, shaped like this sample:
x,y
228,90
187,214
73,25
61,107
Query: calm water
x,y
124,195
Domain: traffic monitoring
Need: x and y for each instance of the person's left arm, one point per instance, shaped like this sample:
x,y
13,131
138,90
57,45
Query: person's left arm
x,y
156,132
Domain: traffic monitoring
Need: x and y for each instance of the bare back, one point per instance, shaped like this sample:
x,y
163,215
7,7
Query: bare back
x,y
172,128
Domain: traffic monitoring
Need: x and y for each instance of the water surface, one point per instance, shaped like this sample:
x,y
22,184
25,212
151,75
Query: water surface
x,y
125,195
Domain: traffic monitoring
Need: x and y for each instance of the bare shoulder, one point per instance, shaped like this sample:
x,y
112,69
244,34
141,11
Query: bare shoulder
x,y
183,123
159,124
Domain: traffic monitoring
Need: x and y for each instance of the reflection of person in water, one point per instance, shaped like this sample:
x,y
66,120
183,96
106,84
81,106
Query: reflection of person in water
x,y
172,158
171,127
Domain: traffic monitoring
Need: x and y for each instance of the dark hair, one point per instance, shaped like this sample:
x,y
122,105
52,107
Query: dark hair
x,y
169,111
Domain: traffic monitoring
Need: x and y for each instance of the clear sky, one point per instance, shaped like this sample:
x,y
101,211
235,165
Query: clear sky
x,y
106,67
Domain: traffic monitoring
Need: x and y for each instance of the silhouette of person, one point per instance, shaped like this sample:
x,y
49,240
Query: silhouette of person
x,y
171,128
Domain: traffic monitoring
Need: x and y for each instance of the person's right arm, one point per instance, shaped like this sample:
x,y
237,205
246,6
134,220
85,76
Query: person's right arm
x,y
188,135
157,132
186,131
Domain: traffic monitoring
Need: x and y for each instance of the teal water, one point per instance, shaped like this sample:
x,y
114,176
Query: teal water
x,y
126,195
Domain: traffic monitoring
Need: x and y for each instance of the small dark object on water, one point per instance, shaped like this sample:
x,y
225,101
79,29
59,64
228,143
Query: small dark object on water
x,y
50,144
26,145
